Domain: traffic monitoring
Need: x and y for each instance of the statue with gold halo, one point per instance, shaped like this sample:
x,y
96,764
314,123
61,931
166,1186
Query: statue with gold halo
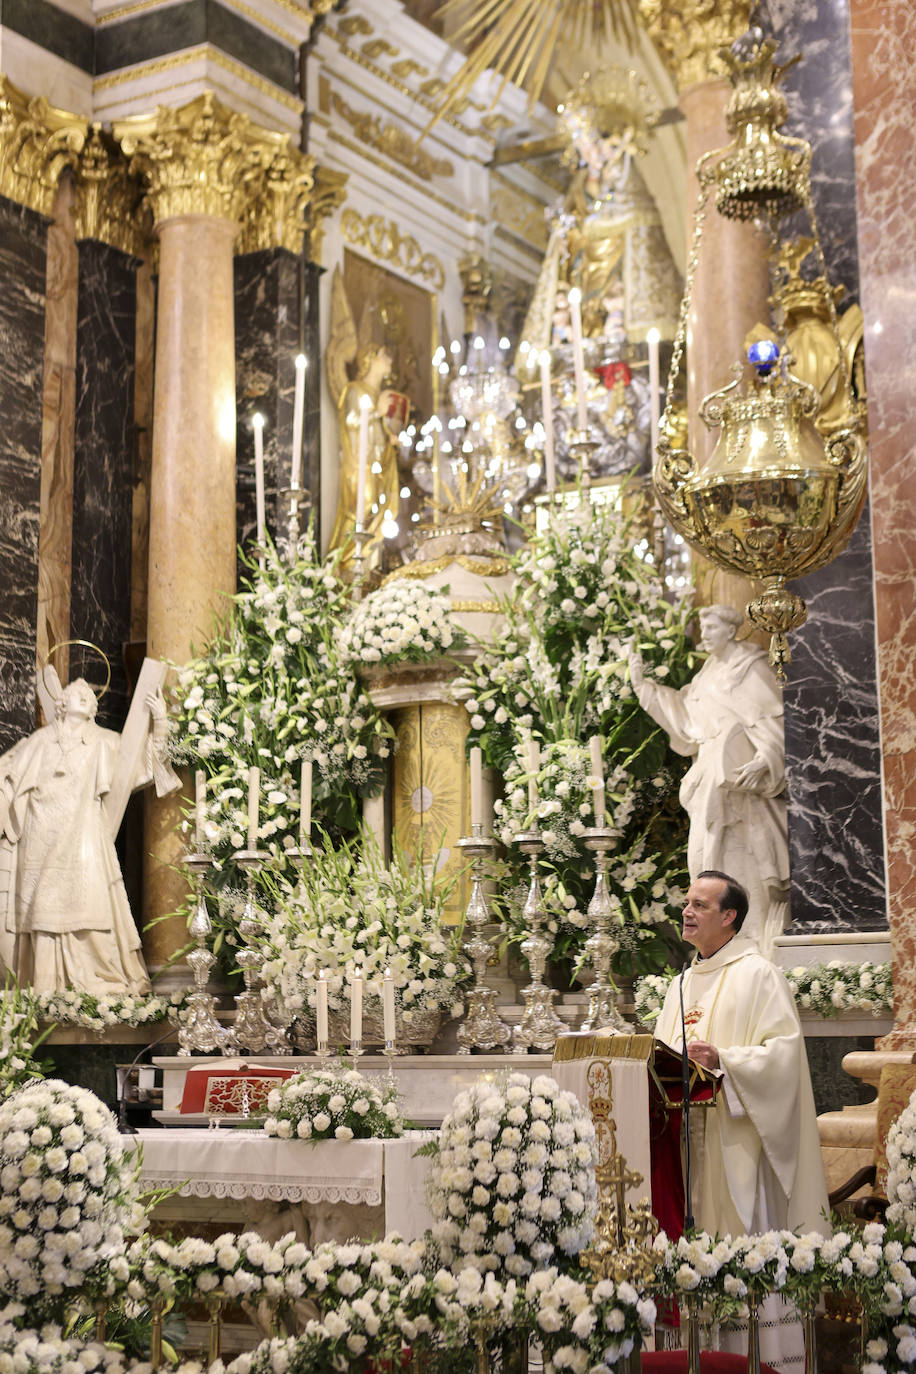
x,y
387,416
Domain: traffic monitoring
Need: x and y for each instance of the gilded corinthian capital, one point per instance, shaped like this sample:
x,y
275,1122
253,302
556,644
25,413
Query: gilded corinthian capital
x,y
276,212
37,142
108,205
689,33
200,159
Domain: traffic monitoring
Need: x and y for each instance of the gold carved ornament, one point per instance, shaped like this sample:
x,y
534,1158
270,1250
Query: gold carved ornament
x,y
774,500
109,204
199,159
328,194
393,141
690,34
276,214
385,241
37,142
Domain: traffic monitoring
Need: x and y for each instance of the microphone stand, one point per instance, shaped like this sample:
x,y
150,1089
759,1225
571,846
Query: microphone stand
x,y
124,1078
685,1089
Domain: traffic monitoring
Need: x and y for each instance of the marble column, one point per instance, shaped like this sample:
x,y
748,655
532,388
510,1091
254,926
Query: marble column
x,y
23,237
267,341
100,586
731,285
883,34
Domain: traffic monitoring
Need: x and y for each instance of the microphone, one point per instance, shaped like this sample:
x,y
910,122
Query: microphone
x,y
685,1088
124,1078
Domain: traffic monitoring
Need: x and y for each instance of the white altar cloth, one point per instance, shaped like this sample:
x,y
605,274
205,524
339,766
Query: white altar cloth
x,y
246,1165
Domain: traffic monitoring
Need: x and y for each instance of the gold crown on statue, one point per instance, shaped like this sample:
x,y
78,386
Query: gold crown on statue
x,y
613,103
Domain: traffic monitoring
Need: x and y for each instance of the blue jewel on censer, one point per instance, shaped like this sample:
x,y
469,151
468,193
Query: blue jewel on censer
x,y
764,355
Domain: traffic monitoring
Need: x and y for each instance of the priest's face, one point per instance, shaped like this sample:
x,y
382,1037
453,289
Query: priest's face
x,y
706,926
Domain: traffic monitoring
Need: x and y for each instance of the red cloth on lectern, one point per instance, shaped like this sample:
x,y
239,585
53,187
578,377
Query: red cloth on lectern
x,y
217,1088
711,1362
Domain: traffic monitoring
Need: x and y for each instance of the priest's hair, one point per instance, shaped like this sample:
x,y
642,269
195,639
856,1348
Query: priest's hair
x,y
734,898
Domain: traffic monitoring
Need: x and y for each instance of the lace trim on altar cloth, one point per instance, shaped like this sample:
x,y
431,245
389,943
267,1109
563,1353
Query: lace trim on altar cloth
x,y
368,1194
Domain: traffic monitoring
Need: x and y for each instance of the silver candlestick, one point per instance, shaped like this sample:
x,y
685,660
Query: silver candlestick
x,y
200,1031
360,535
297,498
581,446
540,1025
601,946
482,1028
253,1031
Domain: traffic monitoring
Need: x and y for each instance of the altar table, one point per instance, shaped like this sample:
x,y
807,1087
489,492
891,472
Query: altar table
x,y
332,1190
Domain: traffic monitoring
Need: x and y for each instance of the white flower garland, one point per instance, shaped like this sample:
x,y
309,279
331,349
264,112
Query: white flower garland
x,y
100,1012
513,1185
332,1104
827,989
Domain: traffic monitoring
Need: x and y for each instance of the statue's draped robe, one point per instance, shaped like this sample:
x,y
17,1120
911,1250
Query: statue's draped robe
x,y
728,714
760,1167
64,915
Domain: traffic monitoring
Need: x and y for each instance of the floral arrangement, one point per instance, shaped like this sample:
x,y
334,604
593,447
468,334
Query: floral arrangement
x,y
585,589
332,1104
26,1350
901,1168
69,1192
97,1013
827,989
352,910
513,1187
584,1327
402,622
19,1037
271,690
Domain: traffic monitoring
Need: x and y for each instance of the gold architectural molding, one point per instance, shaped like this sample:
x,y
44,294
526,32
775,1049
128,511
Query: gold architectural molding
x,y
408,67
108,202
329,193
385,241
292,7
391,140
352,24
37,143
205,159
185,59
380,47
689,33
463,216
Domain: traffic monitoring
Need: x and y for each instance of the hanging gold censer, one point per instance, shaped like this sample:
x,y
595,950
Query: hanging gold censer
x,y
775,499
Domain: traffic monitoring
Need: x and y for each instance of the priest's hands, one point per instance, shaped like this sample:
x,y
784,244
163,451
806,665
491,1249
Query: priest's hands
x,y
704,1054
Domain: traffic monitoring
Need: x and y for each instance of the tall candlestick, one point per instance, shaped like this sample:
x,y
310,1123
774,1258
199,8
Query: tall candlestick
x,y
298,418
533,753
595,747
321,1009
476,787
365,404
575,315
550,467
200,808
652,338
305,801
254,786
356,1007
257,422
388,1023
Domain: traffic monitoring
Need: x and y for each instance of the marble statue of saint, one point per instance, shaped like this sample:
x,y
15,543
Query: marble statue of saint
x,y
729,720
382,479
65,921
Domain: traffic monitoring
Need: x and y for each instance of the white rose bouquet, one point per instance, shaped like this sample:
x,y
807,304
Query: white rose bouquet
x,y
513,1185
583,1327
402,622
901,1168
332,1104
829,989
20,1011
69,1193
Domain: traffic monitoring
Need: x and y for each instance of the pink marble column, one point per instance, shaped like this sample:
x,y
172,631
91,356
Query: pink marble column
x,y
883,41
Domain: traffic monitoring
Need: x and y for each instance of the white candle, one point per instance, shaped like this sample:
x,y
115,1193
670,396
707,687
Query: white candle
x,y
257,422
200,807
365,404
321,1009
550,467
356,1007
305,801
594,745
575,314
476,787
533,765
298,418
388,1007
254,786
652,338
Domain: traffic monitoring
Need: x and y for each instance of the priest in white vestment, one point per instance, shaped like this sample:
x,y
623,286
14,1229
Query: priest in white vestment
x,y
761,1166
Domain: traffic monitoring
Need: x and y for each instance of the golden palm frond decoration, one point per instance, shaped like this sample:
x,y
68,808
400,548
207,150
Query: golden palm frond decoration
x,y
518,38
